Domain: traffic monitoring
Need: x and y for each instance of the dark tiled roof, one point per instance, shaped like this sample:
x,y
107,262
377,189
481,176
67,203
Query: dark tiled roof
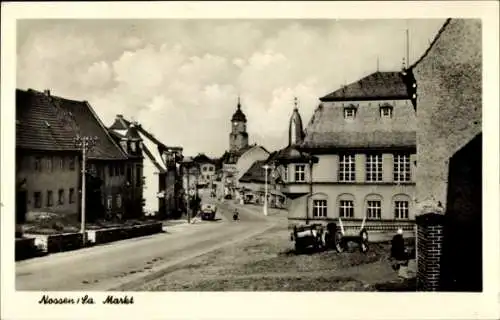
x,y
132,133
89,124
376,86
120,123
329,129
231,157
290,154
239,115
255,173
42,126
202,158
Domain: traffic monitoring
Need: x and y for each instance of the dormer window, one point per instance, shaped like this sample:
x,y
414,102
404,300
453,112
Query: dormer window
x,y
350,112
132,147
386,111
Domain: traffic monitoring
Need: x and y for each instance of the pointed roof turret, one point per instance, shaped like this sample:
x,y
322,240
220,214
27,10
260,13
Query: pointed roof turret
x,y
295,129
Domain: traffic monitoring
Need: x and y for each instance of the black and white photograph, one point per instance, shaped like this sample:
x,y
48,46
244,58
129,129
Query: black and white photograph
x,y
206,154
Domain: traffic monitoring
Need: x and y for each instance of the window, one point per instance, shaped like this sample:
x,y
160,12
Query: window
x,y
49,164
61,163
346,209
374,167
138,176
401,209
111,170
50,199
71,195
132,147
122,169
37,199
349,113
347,171
60,196
386,112
285,173
93,169
118,201
319,208
129,174
300,175
374,209
72,163
402,168
211,169
109,202
38,164
204,169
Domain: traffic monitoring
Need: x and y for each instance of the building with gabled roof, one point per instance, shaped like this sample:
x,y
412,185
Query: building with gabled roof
x,y
108,189
47,159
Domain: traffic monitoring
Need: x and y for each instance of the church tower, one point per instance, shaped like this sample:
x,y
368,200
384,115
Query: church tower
x,y
238,138
295,131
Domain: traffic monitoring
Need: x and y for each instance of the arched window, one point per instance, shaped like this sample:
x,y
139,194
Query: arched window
x,y
345,203
319,205
401,204
373,206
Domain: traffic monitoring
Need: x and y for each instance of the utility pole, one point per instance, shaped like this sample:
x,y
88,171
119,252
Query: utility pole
x,y
266,167
84,143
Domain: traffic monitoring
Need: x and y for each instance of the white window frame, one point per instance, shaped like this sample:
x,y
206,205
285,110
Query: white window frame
x,y
119,201
320,208
344,207
401,210
374,209
374,168
347,168
349,113
402,168
386,112
109,202
300,173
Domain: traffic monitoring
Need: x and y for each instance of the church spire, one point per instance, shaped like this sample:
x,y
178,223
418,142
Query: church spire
x,y
239,103
295,130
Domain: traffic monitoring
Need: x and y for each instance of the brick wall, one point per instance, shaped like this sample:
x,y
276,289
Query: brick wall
x,y
429,251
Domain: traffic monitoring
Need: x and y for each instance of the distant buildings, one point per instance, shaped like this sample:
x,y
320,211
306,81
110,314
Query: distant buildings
x,y
357,157
138,143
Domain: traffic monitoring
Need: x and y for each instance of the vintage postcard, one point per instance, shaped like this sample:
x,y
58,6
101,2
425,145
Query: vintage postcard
x,y
294,160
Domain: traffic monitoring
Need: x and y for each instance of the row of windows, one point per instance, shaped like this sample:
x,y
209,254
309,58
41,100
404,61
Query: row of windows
x,y
373,209
53,163
374,169
109,201
385,112
49,198
211,169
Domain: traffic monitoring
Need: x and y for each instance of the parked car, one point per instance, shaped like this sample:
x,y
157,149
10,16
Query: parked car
x,y
208,211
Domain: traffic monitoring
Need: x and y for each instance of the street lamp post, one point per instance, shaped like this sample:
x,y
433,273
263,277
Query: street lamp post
x,y
266,167
84,143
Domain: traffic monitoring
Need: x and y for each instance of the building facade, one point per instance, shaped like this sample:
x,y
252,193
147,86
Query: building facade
x,y
448,78
357,158
48,167
114,178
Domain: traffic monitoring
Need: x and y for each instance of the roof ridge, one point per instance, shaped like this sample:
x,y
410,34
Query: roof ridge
x,y
106,132
433,42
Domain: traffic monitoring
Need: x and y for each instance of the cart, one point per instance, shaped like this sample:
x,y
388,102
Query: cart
x,y
307,236
338,237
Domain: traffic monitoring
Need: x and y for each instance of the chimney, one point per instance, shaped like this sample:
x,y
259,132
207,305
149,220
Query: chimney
x,y
47,92
119,116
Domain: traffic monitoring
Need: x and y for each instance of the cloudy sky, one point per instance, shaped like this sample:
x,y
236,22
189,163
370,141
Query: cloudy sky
x,y
180,78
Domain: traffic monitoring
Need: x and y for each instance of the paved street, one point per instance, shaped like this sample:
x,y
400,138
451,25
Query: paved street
x,y
121,264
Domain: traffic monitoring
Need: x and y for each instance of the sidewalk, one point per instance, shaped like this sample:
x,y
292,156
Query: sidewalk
x,y
256,209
